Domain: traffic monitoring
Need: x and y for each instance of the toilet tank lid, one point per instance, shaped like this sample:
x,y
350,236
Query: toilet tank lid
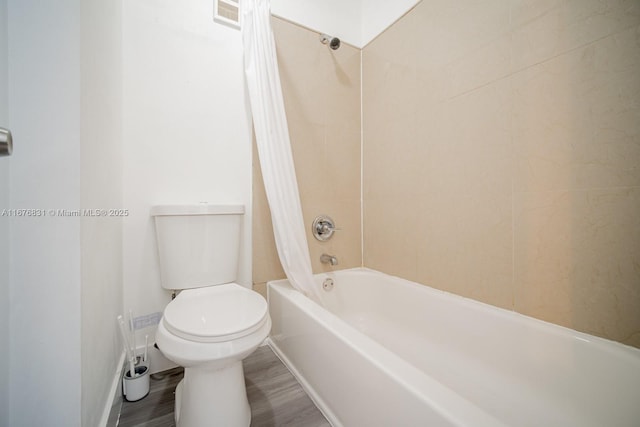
x,y
196,209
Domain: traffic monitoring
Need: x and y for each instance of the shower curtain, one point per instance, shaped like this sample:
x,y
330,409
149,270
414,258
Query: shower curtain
x,y
274,147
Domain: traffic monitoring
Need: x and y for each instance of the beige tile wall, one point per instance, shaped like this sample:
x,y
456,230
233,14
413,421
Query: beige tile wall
x,y
502,156
322,99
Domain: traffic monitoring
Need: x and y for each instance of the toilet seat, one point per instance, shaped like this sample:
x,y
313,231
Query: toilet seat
x,y
216,313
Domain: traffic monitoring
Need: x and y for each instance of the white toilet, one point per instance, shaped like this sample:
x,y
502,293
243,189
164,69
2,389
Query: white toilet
x,y
213,323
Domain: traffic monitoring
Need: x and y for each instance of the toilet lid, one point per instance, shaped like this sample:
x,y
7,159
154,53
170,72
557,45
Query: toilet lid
x,y
216,313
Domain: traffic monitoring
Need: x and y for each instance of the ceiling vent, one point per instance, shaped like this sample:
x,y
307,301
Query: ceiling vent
x,y
227,12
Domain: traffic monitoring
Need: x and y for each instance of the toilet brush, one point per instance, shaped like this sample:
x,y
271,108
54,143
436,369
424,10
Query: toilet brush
x,y
133,338
125,341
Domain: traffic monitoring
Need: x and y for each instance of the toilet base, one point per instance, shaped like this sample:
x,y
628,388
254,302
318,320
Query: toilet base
x,y
207,397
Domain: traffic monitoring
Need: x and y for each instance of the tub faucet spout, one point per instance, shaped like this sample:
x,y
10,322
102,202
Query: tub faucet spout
x,y
328,259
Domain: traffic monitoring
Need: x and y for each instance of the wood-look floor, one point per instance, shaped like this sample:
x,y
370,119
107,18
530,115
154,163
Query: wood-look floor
x,y
275,397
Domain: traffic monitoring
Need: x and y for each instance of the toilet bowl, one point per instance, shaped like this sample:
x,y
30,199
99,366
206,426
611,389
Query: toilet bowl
x,y
213,323
210,331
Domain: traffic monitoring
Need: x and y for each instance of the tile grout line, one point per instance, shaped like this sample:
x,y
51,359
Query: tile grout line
x,y
361,162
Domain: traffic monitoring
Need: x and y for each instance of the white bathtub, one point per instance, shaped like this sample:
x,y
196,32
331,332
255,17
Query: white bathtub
x,y
389,352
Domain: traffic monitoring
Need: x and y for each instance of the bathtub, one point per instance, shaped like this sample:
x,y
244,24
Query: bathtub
x,y
389,352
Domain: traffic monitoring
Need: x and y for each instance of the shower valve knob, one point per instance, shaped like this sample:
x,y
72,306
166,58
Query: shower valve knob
x,y
323,227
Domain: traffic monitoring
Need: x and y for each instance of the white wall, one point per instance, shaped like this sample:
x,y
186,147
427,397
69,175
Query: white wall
x,y
44,90
356,22
187,135
4,227
101,187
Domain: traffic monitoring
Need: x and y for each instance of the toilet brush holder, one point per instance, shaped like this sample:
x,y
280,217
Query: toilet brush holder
x,y
136,387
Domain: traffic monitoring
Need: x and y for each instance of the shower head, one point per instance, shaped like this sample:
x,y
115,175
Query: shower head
x,y
333,42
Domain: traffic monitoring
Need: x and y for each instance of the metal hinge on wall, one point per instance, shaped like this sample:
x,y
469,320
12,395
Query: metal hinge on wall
x,y
6,142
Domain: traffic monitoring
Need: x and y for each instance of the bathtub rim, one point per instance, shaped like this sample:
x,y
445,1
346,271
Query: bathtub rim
x,y
605,344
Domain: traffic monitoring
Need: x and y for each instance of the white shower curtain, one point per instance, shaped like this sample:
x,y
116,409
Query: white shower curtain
x,y
274,147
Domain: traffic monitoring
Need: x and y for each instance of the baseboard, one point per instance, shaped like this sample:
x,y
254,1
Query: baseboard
x,y
111,411
317,400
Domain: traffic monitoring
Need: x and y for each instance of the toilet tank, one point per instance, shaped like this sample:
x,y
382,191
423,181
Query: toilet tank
x,y
198,245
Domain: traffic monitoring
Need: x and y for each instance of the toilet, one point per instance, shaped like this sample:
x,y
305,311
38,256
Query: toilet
x,y
213,323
